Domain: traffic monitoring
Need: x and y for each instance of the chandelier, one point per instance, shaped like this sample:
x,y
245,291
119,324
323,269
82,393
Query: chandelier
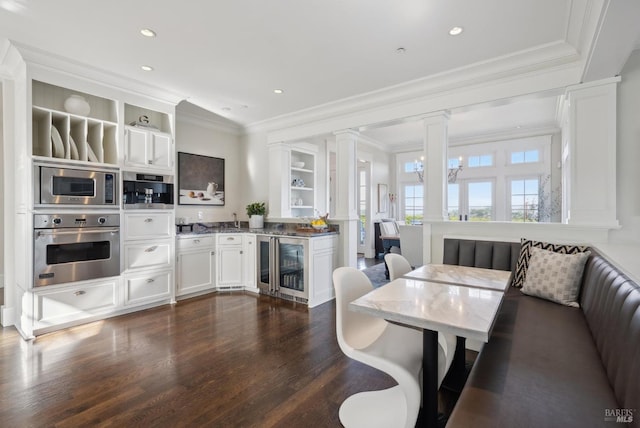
x,y
452,173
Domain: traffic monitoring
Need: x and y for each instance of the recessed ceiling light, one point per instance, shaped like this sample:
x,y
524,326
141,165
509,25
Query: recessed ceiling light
x,y
278,91
455,31
146,68
148,32
400,50
244,106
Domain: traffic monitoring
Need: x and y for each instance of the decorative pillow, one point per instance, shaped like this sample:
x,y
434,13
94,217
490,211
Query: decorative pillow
x,y
525,254
555,276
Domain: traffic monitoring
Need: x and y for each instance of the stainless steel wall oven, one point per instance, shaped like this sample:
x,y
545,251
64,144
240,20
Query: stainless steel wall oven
x,y
75,247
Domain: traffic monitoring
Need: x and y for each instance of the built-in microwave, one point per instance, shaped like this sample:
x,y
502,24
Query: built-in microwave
x,y
73,186
145,191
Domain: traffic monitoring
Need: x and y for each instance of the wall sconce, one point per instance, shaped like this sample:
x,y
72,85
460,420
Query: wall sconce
x,y
452,174
419,169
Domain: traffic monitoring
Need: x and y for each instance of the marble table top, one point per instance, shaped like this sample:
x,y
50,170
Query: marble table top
x,y
492,279
464,311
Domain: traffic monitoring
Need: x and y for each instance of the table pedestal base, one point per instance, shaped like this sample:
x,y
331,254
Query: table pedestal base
x,y
384,408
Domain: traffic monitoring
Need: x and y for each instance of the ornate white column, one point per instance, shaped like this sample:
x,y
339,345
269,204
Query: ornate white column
x,y
346,195
589,154
435,175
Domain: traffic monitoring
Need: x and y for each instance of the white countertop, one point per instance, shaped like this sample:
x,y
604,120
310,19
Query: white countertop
x,y
462,275
464,311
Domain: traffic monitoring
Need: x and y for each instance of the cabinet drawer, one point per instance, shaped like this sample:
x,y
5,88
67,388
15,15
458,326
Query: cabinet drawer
x,y
151,254
147,225
195,243
319,244
70,304
146,288
229,239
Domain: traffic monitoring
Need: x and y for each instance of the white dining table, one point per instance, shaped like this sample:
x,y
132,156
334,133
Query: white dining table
x,y
467,312
492,279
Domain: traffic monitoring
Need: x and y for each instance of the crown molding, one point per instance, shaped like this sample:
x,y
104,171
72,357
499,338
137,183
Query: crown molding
x,y
47,61
530,61
505,134
209,122
10,59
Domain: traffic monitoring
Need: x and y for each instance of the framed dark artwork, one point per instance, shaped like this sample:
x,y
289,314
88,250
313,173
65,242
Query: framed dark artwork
x,y
200,180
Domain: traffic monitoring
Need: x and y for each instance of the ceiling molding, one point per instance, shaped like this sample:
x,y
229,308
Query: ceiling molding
x,y
505,134
10,59
557,54
208,121
45,60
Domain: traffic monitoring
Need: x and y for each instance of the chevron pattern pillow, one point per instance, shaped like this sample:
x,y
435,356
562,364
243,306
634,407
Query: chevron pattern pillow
x,y
555,276
525,254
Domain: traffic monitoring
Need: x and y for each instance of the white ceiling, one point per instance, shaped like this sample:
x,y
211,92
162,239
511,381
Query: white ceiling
x,y
228,56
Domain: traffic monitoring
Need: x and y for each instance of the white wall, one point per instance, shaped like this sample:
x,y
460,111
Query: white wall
x,y
1,193
203,133
628,153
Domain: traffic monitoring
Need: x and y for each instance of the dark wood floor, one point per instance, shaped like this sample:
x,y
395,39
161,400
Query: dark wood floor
x,y
227,360
231,360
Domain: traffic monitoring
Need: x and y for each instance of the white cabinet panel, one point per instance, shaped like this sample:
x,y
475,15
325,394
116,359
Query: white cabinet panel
x,y
56,306
147,148
250,254
161,151
148,254
147,287
229,266
136,147
195,243
196,271
148,225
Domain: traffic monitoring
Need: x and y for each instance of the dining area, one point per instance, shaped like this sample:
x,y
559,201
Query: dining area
x,y
415,329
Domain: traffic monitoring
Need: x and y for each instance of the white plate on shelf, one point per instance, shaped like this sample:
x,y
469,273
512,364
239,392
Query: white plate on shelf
x,y
91,154
58,147
74,148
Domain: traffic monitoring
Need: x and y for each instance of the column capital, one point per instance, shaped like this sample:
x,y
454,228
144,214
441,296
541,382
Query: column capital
x,y
435,116
347,132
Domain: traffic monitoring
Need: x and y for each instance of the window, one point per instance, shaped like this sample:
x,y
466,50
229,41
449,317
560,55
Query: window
x,y
453,206
471,200
362,203
454,162
480,200
413,166
528,156
413,203
524,199
478,161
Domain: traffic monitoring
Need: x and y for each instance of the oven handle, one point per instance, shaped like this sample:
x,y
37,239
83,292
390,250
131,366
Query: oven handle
x,y
76,231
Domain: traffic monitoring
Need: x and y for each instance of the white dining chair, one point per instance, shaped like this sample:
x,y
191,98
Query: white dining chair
x,y
398,266
391,348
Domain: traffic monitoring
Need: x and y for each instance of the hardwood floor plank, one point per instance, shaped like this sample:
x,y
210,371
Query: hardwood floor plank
x,y
226,359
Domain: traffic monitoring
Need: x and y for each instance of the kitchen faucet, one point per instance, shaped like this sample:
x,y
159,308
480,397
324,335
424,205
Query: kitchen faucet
x,y
236,224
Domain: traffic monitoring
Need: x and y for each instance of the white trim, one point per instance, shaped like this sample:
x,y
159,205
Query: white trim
x,y
221,124
1,280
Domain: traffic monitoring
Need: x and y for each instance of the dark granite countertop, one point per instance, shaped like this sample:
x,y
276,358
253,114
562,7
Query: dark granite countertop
x,y
195,229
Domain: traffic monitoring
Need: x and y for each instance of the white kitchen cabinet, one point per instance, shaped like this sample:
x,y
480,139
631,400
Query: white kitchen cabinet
x,y
148,287
229,261
148,254
323,261
146,225
196,265
148,148
249,256
56,305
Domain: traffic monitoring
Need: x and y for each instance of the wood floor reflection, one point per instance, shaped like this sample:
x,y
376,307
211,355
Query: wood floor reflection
x,y
228,359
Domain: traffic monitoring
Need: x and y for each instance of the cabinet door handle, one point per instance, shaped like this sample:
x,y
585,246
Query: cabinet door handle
x,y
213,253
148,220
230,238
150,162
240,251
149,281
151,249
80,292
196,241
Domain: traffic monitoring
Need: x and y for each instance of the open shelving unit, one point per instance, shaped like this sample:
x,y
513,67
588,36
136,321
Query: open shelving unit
x,y
302,180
